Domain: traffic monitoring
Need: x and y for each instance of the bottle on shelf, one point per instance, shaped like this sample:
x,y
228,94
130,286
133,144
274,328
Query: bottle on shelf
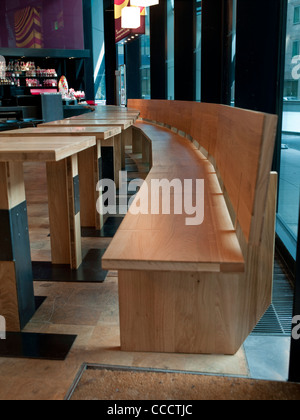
x,y
15,70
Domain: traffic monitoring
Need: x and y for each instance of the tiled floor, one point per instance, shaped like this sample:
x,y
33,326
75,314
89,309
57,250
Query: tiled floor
x,y
90,311
268,357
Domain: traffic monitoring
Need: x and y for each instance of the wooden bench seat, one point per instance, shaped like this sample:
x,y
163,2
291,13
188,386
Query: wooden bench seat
x,y
199,289
163,242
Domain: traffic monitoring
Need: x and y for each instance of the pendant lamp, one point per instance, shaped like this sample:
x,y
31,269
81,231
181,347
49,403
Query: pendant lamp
x,y
131,17
144,3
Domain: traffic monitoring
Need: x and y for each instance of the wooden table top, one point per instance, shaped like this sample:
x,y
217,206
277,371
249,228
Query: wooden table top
x,y
99,132
51,149
113,112
124,124
113,108
105,116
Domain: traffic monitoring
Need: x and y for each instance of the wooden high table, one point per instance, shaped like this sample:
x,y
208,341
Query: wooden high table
x,y
114,115
61,157
89,162
125,125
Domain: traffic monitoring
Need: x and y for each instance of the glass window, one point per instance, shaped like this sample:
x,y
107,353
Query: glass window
x,y
145,74
296,15
296,49
289,182
134,52
99,51
233,52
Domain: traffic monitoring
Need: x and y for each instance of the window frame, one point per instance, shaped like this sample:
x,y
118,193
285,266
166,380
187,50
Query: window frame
x,y
296,22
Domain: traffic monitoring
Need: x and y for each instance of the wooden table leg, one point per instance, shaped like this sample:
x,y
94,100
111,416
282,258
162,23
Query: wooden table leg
x,y
117,158
146,150
64,211
125,141
90,172
136,141
115,143
17,304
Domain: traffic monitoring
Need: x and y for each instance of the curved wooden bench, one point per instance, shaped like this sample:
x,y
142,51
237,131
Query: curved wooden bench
x,y
199,289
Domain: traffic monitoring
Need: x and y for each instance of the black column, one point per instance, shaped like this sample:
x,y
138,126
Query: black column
x,y
184,54
228,74
132,53
260,53
158,47
211,51
294,373
216,72
110,52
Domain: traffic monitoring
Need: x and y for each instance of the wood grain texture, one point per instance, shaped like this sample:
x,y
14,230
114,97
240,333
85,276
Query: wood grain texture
x,y
126,139
178,312
58,212
201,290
89,177
12,189
108,136
9,307
102,133
240,144
108,115
256,292
65,232
124,124
137,139
162,241
50,149
203,313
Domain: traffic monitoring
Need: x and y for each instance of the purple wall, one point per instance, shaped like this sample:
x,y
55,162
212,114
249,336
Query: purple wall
x,y
61,24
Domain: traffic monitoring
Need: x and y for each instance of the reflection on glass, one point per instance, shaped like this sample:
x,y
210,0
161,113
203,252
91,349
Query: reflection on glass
x,y
145,60
233,53
99,51
289,186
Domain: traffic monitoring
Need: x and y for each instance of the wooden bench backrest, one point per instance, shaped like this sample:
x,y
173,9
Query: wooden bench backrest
x,y
240,144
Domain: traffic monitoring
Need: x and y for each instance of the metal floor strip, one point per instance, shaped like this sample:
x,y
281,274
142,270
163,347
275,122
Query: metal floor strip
x,y
277,321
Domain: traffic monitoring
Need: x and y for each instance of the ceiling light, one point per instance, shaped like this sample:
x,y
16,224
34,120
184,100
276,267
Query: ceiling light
x,y
131,18
144,3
